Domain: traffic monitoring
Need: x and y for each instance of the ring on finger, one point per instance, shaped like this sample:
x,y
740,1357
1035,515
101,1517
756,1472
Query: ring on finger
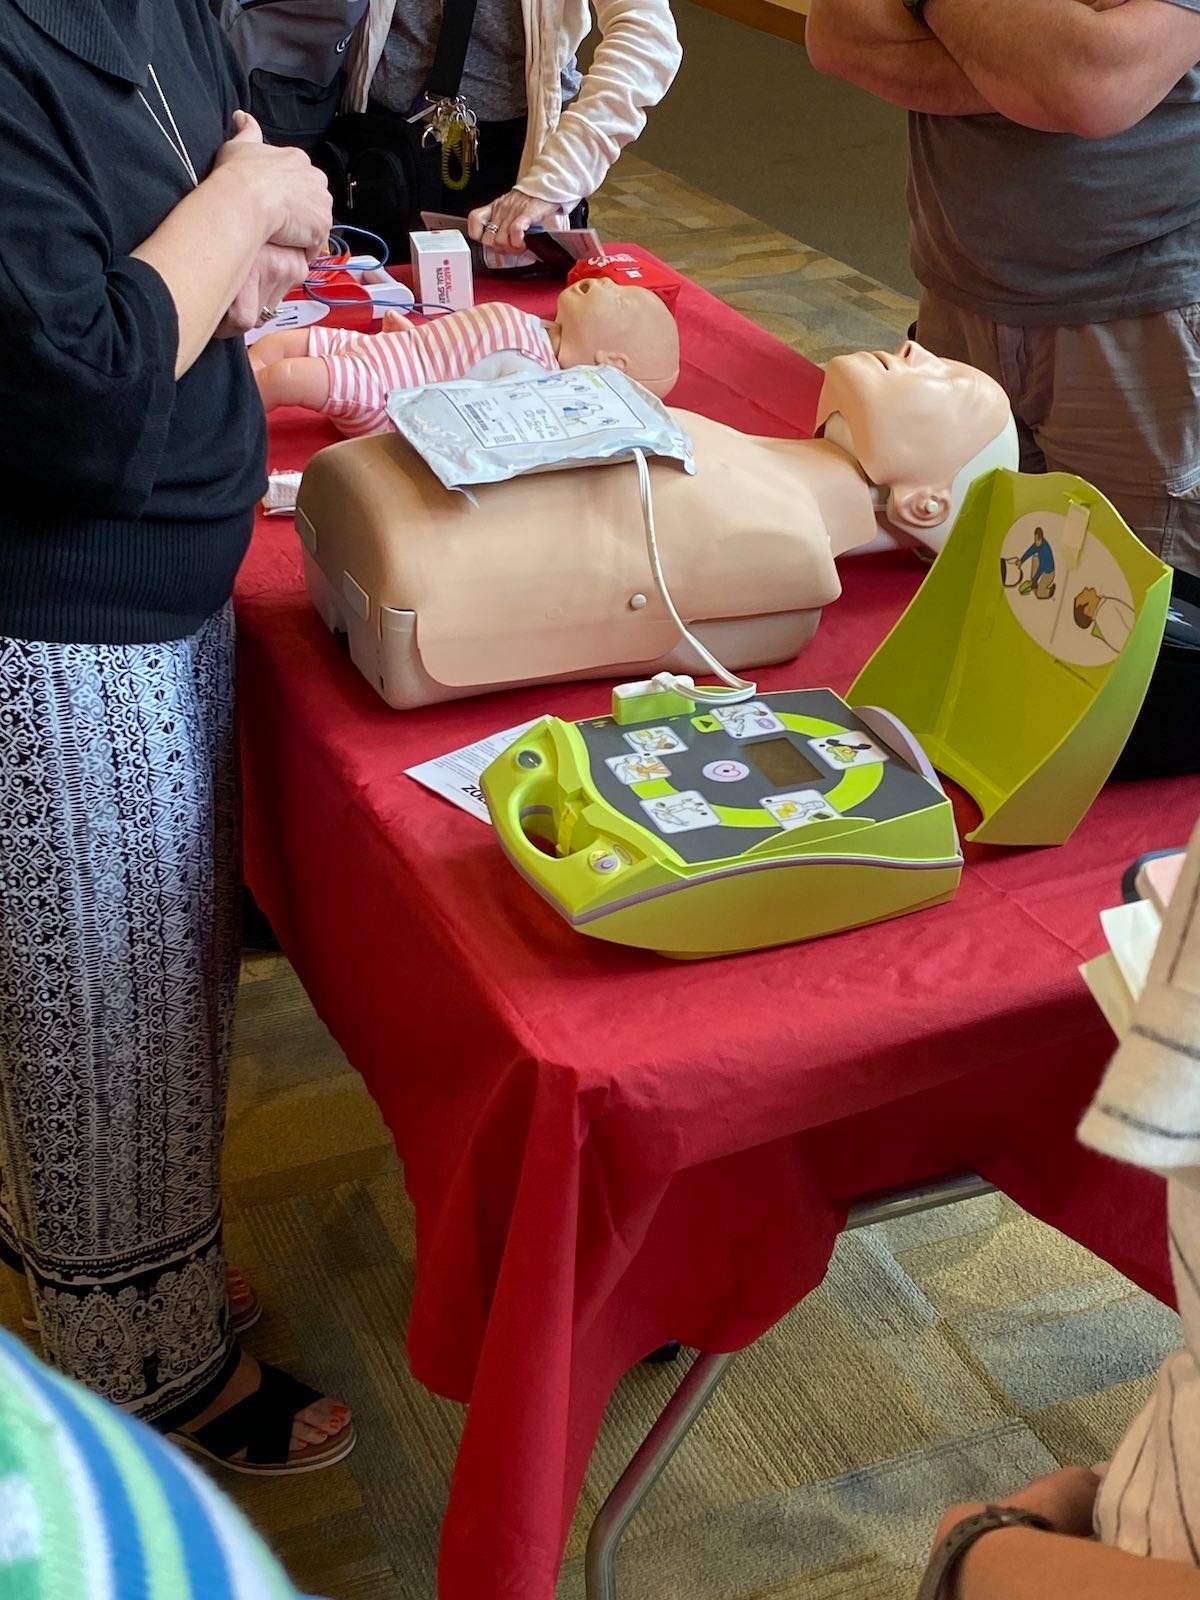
x,y
265,315
491,227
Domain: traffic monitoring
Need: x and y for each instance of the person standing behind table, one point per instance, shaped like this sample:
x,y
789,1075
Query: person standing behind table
x,y
1054,195
140,241
547,135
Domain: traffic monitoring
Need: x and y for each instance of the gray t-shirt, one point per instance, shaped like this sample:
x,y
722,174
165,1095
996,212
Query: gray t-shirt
x,y
493,82
1041,228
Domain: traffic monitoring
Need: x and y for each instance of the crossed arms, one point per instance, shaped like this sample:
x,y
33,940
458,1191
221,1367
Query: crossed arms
x,y
1064,66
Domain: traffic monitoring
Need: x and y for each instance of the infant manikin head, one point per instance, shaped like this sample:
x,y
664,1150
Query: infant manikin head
x,y
921,428
607,324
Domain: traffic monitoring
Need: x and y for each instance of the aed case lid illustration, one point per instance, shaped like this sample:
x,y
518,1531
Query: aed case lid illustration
x,y
1025,656
728,828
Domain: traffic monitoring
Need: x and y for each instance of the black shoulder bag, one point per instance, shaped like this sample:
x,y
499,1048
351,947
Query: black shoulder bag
x,y
293,53
384,170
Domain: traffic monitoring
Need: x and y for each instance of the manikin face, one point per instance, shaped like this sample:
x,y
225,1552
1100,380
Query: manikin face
x,y
915,422
619,325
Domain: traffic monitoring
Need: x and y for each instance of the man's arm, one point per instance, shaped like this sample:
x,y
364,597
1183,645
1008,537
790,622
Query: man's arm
x,y
1065,1564
1022,1564
1064,67
879,46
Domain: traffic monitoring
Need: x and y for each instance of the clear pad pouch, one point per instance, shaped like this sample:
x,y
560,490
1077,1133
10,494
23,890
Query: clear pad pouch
x,y
471,433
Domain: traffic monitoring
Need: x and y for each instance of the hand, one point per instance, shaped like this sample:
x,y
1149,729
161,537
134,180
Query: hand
x,y
276,270
1065,1498
513,213
291,194
396,322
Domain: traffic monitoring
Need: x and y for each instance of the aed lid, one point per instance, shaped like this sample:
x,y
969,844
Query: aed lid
x,y
1024,657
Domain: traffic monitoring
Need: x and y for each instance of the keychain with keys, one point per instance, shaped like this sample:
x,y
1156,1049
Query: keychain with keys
x,y
452,124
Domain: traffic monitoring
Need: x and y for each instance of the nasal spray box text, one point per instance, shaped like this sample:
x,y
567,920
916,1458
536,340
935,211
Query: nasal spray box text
x,y
441,264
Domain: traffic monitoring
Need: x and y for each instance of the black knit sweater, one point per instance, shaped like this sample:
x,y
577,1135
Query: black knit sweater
x,y
126,498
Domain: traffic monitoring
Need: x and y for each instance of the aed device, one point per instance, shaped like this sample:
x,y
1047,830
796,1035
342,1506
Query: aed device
x,y
726,828
1020,666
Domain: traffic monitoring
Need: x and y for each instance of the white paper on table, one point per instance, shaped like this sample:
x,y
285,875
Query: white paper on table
x,y
1132,933
1103,978
456,776
282,490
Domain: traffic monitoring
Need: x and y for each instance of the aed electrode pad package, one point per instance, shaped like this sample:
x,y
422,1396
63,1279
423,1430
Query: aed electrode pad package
x,y
471,433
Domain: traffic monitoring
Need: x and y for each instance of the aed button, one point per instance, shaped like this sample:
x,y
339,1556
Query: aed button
x,y
607,858
726,771
529,759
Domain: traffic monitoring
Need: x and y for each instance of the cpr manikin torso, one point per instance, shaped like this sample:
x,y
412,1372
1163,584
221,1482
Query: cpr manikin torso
x,y
547,576
347,376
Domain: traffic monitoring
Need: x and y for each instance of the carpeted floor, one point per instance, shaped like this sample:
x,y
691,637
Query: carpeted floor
x,y
750,122
809,300
953,1355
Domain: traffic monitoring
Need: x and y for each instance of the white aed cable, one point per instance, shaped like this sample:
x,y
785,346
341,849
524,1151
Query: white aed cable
x,y
738,688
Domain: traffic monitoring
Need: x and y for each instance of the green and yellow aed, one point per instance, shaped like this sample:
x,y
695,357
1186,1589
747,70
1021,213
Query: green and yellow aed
x,y
729,828
697,829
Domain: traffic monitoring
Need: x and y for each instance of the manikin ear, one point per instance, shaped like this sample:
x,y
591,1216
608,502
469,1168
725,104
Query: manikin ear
x,y
612,358
919,508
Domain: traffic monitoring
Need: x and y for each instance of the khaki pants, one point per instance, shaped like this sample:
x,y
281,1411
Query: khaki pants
x,y
1118,403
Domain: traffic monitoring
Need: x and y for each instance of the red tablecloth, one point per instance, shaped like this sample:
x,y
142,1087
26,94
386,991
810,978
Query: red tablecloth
x,y
607,1150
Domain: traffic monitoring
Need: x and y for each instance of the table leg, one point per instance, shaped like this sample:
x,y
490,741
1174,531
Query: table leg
x,y
889,1205
706,1372
643,1472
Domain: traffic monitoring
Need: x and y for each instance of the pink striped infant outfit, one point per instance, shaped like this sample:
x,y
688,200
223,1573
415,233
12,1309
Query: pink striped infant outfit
x,y
364,367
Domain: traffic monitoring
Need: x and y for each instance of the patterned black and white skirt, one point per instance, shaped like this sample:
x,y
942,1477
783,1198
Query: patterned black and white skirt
x,y
119,948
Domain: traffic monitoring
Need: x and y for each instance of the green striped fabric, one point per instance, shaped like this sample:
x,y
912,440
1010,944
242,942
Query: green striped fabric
x,y
95,1506
19,1527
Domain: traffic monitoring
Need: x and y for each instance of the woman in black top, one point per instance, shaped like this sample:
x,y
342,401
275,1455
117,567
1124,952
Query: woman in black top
x,y
144,226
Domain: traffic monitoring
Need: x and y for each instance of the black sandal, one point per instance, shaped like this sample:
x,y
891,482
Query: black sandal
x,y
261,1425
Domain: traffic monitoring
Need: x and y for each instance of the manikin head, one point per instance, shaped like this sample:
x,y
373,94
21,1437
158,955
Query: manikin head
x,y
618,325
921,428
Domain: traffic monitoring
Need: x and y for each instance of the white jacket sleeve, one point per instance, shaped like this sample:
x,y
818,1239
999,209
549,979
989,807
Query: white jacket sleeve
x,y
1148,1109
634,65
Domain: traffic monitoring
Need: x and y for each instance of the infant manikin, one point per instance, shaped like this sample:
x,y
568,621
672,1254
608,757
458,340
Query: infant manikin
x,y
347,376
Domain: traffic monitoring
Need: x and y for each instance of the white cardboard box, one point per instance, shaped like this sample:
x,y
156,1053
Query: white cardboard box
x,y
441,263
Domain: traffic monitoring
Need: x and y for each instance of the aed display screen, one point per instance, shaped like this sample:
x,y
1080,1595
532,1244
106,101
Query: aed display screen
x,y
782,764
